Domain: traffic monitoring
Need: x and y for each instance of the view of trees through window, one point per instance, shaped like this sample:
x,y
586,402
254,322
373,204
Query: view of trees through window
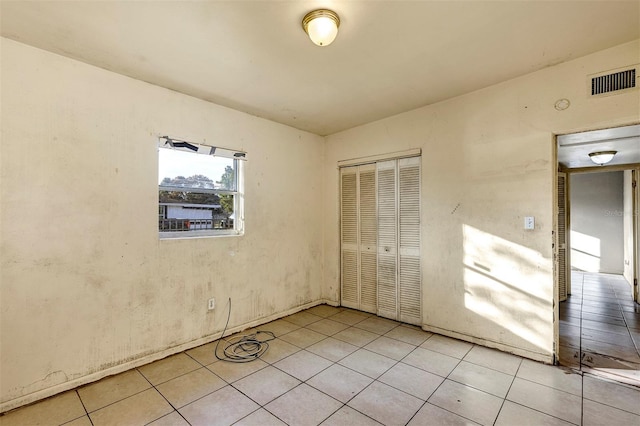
x,y
189,202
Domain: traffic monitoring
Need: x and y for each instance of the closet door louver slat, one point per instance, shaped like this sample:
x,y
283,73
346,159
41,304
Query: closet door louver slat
x,y
349,237
409,282
387,240
368,238
562,236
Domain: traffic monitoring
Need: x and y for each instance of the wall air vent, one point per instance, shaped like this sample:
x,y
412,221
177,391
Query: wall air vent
x,y
614,82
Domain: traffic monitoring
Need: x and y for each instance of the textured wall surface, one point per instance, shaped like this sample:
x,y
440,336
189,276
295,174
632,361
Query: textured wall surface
x,y
597,216
487,162
86,283
87,287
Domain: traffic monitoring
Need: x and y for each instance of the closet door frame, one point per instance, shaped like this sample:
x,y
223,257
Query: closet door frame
x,y
405,255
358,238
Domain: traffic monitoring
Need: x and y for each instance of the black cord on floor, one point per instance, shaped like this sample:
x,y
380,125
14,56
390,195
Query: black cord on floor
x,y
245,348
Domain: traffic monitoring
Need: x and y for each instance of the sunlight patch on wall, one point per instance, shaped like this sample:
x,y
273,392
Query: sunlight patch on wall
x,y
507,284
585,252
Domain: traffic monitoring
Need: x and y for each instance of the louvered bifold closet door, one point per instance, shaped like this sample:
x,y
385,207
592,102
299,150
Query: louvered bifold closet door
x,y
349,236
562,236
387,239
409,277
368,238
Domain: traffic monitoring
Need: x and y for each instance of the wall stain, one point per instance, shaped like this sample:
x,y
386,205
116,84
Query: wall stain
x,y
58,373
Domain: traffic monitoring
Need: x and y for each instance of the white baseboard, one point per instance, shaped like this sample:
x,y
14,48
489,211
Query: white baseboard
x,y
547,358
120,368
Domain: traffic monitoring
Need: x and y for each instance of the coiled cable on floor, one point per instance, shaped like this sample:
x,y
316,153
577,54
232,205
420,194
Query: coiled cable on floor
x,y
245,348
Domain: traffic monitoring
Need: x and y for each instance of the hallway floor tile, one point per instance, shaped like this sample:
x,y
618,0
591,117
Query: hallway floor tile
x,y
598,327
377,372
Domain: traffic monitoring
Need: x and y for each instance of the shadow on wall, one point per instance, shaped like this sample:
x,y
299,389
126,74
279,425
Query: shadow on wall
x,y
507,284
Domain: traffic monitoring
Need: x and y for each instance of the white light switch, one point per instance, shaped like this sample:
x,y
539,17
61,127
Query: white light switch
x,y
529,222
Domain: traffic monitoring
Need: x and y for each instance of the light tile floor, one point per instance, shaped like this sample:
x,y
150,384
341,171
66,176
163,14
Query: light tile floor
x,y
334,366
600,327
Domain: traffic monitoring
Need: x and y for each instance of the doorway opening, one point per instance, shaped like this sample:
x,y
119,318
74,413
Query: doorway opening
x,y
596,249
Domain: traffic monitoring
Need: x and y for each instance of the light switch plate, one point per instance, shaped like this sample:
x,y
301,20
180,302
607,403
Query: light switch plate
x,y
529,223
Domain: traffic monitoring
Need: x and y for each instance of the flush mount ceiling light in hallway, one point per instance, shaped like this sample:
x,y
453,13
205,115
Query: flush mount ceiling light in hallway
x,y
322,26
603,157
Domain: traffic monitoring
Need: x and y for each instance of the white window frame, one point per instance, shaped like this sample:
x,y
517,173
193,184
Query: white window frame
x,y
238,157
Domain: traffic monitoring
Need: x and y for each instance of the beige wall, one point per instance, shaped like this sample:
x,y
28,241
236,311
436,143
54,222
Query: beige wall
x,y
487,161
597,231
88,289
86,283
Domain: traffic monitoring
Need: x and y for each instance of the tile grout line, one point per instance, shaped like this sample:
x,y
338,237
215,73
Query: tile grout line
x,y
269,364
426,401
507,393
83,406
582,399
445,379
374,380
260,406
448,378
541,412
624,318
163,397
344,404
580,354
594,376
607,283
227,383
546,386
119,400
393,387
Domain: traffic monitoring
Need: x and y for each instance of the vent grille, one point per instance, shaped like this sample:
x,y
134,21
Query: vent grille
x,y
613,82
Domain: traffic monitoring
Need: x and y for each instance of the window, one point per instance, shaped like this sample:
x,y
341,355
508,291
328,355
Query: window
x,y
199,190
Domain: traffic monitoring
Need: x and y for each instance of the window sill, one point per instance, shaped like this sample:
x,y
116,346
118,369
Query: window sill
x,y
188,235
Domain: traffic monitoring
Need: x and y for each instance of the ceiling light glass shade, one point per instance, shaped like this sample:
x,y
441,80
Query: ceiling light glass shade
x,y
322,26
602,157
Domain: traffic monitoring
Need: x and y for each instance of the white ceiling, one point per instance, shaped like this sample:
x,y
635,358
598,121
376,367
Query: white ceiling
x,y
389,57
574,149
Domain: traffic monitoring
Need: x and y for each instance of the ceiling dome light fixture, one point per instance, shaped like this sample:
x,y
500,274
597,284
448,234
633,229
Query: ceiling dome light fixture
x,y
602,157
322,26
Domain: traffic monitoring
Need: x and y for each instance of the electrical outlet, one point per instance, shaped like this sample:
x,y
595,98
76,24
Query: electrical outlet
x,y
211,304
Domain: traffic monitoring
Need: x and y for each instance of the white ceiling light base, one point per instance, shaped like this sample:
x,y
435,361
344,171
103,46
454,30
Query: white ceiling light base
x,y
602,157
562,104
322,26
